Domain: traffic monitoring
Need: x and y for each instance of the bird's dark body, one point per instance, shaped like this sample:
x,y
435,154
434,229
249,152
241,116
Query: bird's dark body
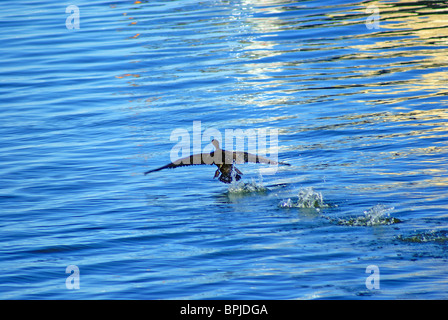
x,y
223,159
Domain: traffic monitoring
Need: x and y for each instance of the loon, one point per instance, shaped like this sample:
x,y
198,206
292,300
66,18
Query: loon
x,y
223,159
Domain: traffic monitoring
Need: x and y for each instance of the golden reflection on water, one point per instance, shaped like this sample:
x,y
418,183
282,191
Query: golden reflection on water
x,y
413,36
406,41
400,63
414,27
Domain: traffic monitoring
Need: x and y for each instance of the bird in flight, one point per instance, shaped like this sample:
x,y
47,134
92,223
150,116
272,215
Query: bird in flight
x,y
223,159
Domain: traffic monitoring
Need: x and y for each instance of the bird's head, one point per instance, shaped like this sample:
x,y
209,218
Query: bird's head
x,y
215,143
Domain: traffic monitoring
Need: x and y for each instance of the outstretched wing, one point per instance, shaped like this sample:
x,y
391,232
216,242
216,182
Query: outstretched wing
x,y
195,159
242,157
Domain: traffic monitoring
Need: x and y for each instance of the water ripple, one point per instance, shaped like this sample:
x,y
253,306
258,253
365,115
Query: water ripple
x,y
361,115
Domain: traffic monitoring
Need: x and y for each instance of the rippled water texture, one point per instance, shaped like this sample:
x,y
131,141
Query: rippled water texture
x,y
356,89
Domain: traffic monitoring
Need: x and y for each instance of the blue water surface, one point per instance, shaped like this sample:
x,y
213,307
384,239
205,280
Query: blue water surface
x,y
358,97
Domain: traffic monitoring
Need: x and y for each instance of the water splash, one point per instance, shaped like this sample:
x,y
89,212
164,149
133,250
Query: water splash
x,y
375,216
306,198
241,187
